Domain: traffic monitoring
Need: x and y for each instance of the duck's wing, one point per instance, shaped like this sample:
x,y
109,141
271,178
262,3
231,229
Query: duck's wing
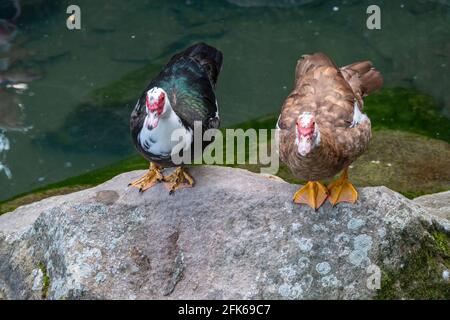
x,y
333,97
137,118
308,88
310,62
338,96
190,92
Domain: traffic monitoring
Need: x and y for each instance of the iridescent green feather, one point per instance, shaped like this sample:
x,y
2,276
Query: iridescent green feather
x,y
189,90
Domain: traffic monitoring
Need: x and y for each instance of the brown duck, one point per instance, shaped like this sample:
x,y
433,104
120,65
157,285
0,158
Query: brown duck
x,y
322,127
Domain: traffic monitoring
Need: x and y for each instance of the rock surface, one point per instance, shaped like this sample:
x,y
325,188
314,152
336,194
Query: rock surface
x,y
438,203
235,235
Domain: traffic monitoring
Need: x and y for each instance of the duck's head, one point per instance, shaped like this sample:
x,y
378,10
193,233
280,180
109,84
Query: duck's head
x,y
157,105
307,135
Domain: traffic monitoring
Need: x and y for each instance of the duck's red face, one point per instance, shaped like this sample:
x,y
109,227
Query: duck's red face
x,y
306,127
155,102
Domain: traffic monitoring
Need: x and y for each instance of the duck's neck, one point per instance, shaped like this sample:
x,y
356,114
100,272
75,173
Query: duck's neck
x,y
170,119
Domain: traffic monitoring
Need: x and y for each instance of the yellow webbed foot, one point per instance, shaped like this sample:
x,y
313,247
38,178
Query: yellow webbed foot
x,y
313,194
342,190
178,179
148,180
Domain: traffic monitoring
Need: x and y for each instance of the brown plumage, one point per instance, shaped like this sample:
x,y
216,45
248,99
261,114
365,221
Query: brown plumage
x,y
329,94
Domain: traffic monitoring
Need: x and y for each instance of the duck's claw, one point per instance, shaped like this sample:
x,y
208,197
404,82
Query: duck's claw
x,y
313,194
148,180
178,179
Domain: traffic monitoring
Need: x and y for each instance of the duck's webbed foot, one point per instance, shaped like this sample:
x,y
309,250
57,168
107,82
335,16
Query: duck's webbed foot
x,y
148,180
313,194
342,190
178,179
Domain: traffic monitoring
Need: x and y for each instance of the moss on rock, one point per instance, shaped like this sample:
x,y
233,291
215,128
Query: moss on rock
x,y
408,163
407,110
421,276
45,280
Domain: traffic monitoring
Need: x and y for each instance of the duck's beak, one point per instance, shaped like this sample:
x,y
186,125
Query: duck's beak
x,y
304,146
153,120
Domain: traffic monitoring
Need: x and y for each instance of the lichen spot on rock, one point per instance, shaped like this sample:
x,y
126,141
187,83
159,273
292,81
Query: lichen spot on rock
x,y
323,268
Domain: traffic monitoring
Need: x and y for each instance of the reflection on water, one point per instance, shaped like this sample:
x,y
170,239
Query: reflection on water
x,y
261,41
12,80
4,147
270,3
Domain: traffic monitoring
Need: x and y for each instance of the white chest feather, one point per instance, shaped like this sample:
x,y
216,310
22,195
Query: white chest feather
x,y
158,141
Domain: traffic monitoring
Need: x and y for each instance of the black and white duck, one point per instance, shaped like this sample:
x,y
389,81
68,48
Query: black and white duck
x,y
181,94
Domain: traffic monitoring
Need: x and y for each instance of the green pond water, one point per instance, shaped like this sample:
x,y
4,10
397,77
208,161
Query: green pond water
x,y
75,118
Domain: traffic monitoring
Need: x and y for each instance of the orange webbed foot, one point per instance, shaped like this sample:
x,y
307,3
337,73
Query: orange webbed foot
x,y
313,194
179,179
342,190
148,180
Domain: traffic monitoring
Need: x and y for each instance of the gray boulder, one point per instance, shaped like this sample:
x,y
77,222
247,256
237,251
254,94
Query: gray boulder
x,y
235,235
438,203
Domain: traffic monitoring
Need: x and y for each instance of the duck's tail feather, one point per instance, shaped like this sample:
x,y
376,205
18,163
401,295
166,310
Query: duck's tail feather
x,y
363,77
